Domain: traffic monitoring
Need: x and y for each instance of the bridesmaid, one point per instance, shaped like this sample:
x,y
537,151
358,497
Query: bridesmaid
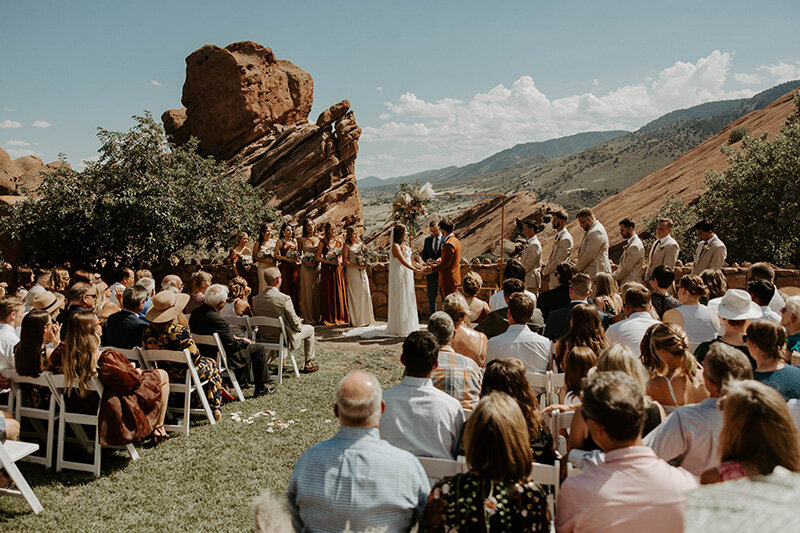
x,y
264,250
359,300
241,255
333,304
309,274
290,266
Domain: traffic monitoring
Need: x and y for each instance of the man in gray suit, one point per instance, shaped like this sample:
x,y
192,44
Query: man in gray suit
x,y
273,303
593,250
562,247
665,250
711,251
632,260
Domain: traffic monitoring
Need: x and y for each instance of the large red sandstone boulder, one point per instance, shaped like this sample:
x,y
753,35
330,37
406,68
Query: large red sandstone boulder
x,y
22,174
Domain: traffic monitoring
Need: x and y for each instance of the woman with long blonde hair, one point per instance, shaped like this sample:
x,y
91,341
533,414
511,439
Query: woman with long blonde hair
x,y
758,433
359,299
682,382
606,294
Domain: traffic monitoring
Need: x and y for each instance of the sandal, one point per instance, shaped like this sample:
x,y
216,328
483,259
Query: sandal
x,y
159,434
217,414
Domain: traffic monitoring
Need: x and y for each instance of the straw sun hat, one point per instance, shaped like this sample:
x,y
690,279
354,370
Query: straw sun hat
x,y
735,305
48,301
166,306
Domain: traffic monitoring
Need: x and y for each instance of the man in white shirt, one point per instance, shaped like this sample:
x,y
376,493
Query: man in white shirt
x,y
711,251
632,260
765,271
512,270
519,341
12,310
665,250
593,249
630,331
126,279
761,291
561,250
43,277
419,418
689,437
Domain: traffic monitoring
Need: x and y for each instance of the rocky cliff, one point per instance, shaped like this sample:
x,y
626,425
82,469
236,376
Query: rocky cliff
x,y
244,105
21,175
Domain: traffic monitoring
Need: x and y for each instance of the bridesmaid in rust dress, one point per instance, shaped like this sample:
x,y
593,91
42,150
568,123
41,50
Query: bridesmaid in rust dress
x,y
309,273
333,298
288,255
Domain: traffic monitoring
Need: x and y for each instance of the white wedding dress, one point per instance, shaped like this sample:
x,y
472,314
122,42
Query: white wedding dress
x,y
403,318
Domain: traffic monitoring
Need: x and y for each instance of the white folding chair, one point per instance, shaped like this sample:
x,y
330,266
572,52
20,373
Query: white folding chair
x,y
190,385
556,382
222,358
437,469
131,354
548,475
77,420
541,382
36,415
281,346
8,393
11,452
559,421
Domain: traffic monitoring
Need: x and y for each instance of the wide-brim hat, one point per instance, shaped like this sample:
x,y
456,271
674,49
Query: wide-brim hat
x,y
166,306
735,305
47,301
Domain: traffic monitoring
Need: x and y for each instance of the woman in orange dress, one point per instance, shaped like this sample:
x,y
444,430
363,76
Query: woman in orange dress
x,y
333,297
287,253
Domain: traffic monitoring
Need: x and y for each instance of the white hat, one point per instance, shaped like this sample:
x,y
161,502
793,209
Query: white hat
x,y
735,305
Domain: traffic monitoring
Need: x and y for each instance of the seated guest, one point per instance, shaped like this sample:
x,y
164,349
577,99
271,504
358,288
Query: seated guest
x,y
52,302
758,434
24,280
241,351
458,376
149,285
141,274
689,437
696,319
606,294
42,277
662,279
580,360
61,280
32,355
509,376
652,363
273,303
585,329
165,333
470,287
104,305
237,304
12,310
466,341
766,341
633,490
519,341
629,332
134,401
124,329
496,322
558,321
82,276
356,479
513,270
790,320
199,283
496,494
735,311
419,418
715,282
762,292
80,296
125,278
558,296
766,272
682,382
172,282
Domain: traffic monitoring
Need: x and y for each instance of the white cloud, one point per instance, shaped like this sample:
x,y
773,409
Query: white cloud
x,y
15,142
747,79
379,88
782,72
459,132
155,82
20,152
41,124
10,124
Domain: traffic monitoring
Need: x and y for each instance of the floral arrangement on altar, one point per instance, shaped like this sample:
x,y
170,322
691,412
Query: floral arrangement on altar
x,y
366,256
409,205
309,260
333,253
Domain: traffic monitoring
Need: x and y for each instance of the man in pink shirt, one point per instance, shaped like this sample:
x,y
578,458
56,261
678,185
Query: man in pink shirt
x,y
633,490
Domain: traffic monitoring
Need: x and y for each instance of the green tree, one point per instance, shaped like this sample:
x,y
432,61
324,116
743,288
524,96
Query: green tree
x,y
141,203
683,218
755,202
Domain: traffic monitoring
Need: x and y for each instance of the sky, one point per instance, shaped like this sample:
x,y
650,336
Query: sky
x,y
432,84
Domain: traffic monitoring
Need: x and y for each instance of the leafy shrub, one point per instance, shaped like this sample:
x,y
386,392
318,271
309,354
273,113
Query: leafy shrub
x,y
141,203
737,134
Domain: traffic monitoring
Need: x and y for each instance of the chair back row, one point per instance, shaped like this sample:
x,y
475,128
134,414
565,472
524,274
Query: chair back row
x,y
549,383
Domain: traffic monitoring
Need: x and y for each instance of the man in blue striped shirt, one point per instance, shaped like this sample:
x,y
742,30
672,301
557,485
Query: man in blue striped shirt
x,y
355,479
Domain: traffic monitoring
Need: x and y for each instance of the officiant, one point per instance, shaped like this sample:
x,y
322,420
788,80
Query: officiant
x,y
432,252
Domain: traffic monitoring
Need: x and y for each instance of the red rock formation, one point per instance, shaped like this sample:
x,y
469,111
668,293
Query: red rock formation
x,y
22,174
241,102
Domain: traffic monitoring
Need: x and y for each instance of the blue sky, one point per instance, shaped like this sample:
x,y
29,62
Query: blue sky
x,y
431,83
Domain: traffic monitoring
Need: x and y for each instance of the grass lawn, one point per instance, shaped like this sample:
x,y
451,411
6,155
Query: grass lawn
x,y
208,480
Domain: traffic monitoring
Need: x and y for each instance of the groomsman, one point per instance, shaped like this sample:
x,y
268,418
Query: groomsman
x,y
632,260
711,251
665,250
532,257
431,252
562,247
593,249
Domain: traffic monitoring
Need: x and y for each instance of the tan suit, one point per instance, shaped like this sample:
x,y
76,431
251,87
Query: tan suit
x,y
593,251
273,303
631,263
664,252
532,261
561,251
709,254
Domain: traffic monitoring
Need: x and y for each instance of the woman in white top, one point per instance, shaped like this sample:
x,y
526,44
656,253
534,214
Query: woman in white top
x,y
237,305
682,382
695,318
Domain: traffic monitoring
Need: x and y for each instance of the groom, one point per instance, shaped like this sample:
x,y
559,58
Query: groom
x,y
431,251
449,266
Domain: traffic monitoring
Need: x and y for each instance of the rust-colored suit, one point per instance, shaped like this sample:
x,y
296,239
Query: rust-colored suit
x,y
449,267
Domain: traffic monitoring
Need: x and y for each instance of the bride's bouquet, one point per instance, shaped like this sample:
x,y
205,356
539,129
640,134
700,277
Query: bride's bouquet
x,y
333,253
366,257
409,205
309,260
293,254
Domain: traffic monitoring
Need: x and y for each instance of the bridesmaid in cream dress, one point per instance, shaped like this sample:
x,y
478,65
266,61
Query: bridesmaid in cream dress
x,y
309,275
359,300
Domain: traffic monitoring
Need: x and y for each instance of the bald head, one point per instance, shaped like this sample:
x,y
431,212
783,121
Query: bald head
x,y
359,400
272,276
